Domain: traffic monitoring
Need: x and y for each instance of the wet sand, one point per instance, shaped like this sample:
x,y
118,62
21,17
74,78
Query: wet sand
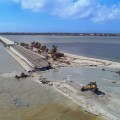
x,y
55,112
106,102
29,100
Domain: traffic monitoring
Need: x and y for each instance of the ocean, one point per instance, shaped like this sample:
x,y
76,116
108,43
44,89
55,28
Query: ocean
x,y
103,47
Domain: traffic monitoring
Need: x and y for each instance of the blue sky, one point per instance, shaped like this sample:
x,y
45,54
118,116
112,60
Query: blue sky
x,y
60,16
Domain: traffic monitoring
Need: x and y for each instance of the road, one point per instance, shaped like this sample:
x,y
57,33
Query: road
x,y
37,60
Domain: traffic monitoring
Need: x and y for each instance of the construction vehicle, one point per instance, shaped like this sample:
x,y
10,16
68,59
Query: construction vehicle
x,y
91,86
23,75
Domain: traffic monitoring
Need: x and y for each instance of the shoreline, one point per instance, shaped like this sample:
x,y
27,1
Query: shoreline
x,y
71,60
96,107
69,91
87,105
74,61
101,62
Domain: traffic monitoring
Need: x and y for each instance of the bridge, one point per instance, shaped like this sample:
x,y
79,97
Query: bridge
x,y
34,60
6,41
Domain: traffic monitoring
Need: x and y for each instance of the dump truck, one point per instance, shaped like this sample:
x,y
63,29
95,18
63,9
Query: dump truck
x,y
91,86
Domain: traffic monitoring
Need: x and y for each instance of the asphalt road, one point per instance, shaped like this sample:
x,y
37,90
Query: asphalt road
x,y
37,60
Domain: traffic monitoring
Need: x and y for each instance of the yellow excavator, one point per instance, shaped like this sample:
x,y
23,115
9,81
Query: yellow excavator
x,y
91,86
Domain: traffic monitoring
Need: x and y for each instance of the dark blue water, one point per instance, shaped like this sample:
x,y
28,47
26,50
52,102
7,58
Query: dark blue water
x,y
107,51
90,46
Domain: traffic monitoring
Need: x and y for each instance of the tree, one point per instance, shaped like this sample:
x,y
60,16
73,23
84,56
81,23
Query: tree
x,y
36,44
22,44
54,49
39,51
43,48
33,44
46,50
26,46
39,45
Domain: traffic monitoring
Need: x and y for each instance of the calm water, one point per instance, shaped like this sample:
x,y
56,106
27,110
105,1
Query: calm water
x,y
98,47
84,75
28,100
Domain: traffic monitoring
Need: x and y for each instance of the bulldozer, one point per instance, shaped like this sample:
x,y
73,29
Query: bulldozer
x,y
92,86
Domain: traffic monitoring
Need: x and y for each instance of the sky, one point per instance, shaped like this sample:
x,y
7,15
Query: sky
x,y
101,16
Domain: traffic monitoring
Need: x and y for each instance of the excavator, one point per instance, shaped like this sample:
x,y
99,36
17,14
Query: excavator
x,y
92,86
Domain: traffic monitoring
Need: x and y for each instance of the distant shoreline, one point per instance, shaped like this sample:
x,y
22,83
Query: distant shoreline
x,y
62,34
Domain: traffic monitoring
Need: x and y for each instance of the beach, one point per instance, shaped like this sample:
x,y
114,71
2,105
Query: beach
x,y
68,75
88,101
76,60
103,104
28,99
59,60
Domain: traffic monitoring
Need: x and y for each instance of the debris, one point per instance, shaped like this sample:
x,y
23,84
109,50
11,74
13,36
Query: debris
x,y
118,72
103,69
23,75
113,81
45,81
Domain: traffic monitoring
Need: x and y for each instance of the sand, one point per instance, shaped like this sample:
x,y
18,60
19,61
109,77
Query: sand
x,y
71,60
29,100
87,61
87,101
90,104
107,105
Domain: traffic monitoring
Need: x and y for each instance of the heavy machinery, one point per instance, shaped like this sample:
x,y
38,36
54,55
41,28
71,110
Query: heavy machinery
x,y
23,75
91,86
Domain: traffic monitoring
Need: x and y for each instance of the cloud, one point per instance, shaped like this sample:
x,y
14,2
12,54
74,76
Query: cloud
x,y
78,9
35,5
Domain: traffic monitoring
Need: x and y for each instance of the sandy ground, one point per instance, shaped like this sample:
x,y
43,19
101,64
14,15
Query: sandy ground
x,y
105,105
71,60
88,101
26,99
